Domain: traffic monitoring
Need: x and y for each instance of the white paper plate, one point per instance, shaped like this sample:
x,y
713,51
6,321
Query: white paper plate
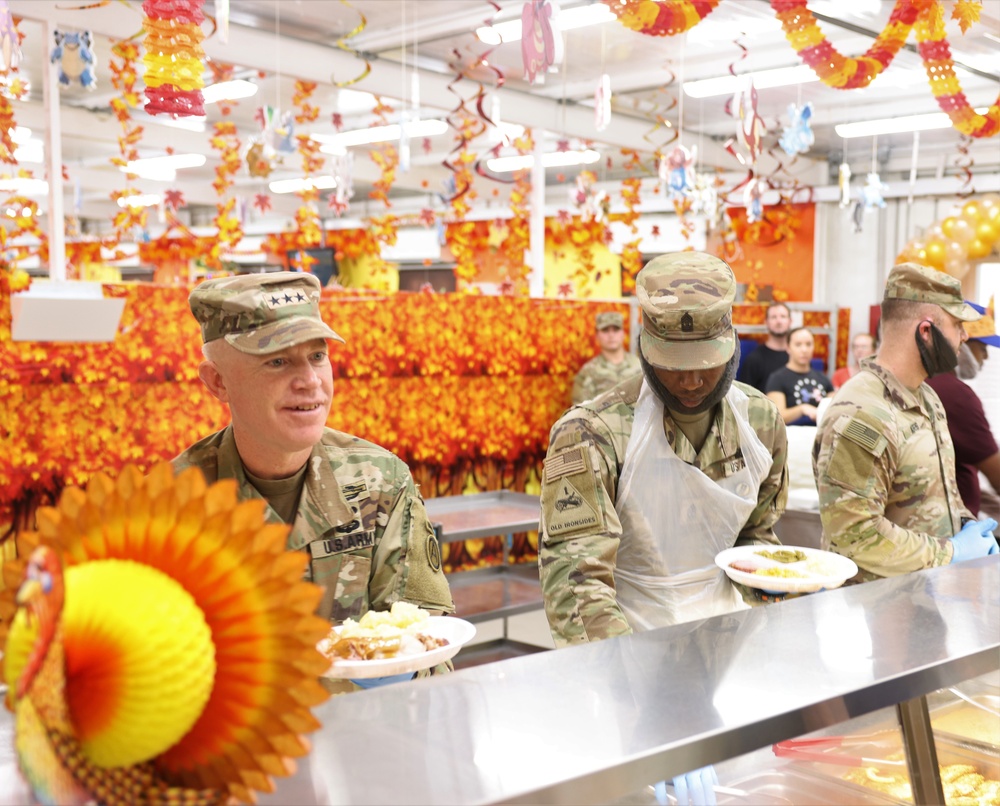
x,y
837,569
455,631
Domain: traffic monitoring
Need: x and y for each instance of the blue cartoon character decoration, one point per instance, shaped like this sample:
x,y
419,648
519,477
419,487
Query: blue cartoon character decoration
x,y
75,56
798,137
871,193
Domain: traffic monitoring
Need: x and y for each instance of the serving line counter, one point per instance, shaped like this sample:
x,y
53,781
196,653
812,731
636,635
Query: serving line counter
x,y
593,723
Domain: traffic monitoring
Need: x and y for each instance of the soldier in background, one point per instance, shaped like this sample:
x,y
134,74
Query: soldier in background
x,y
352,505
614,365
883,459
644,485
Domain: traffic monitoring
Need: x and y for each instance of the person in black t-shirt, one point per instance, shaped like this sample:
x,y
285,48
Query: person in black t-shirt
x,y
773,353
797,388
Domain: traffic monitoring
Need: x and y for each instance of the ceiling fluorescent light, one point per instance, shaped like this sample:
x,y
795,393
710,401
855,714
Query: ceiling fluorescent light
x,y
907,123
228,91
553,159
302,183
24,186
140,200
19,135
568,19
30,151
335,143
762,79
164,168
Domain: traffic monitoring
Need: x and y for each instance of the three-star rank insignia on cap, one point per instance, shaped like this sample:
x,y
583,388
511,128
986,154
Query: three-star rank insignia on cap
x,y
281,298
687,322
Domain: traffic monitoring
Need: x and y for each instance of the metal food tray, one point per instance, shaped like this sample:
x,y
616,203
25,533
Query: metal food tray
x,y
941,717
465,517
787,786
948,752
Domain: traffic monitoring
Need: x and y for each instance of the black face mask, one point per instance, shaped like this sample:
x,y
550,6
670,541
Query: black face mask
x,y
940,357
672,403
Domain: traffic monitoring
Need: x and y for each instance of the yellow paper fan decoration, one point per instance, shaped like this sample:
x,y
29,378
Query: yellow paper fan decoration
x,y
259,611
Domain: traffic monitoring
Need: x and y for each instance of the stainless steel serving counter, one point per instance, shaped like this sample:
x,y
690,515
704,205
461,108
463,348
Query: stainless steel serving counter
x,y
592,723
595,722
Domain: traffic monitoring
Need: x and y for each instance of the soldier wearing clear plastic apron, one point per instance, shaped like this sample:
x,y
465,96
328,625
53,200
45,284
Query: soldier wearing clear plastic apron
x,y
646,483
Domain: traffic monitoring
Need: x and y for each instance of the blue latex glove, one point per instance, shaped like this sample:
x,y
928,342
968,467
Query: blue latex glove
x,y
975,540
375,682
695,788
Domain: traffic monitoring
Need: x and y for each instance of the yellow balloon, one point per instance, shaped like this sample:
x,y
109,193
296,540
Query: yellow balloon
x,y
958,230
954,251
935,253
971,211
987,231
979,249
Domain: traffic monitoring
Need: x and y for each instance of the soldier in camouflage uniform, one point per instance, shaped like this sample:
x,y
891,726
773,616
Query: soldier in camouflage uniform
x,y
644,485
352,505
883,458
614,365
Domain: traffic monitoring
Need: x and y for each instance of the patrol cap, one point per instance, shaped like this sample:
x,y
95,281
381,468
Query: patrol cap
x,y
260,314
609,319
983,329
917,283
687,311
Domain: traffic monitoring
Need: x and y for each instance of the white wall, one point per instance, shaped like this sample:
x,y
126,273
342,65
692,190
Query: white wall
x,y
851,267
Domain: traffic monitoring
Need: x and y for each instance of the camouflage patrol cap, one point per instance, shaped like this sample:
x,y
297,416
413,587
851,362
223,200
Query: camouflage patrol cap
x,y
687,304
916,283
609,319
260,314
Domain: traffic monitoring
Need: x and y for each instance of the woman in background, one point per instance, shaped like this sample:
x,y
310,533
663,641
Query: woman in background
x,y
797,388
862,346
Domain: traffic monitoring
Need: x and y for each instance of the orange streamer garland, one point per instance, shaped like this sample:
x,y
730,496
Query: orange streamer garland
x,y
834,69
936,53
661,17
173,57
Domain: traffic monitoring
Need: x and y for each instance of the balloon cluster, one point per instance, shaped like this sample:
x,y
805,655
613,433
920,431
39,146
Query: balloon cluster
x,y
951,244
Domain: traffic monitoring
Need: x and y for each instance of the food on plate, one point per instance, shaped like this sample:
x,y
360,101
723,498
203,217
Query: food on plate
x,y
962,784
746,566
822,566
784,573
377,635
783,555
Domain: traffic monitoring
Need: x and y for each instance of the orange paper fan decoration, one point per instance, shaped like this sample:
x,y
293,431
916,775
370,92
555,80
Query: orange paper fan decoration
x,y
259,612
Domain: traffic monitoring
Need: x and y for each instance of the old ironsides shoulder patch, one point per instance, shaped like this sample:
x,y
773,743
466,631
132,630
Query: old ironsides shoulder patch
x,y
569,495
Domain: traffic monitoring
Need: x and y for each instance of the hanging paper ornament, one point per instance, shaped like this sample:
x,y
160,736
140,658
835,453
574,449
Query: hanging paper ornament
x,y
591,202
705,199
541,44
752,192
342,168
75,57
844,181
173,57
675,171
258,162
872,192
10,45
602,103
750,125
283,133
798,137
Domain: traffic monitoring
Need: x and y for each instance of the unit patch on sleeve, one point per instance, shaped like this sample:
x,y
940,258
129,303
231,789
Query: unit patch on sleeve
x,y
569,495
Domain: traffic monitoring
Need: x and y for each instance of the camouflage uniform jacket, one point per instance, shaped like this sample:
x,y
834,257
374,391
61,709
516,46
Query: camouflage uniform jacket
x,y
885,470
577,567
360,518
599,375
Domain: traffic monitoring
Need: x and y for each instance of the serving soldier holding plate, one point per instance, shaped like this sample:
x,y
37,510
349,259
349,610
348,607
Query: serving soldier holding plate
x,y
645,484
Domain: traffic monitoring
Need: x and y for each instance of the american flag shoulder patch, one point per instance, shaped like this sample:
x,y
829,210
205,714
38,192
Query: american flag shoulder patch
x,y
568,463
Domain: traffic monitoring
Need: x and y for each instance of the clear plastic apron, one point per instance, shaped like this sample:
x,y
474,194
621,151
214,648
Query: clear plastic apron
x,y
676,519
